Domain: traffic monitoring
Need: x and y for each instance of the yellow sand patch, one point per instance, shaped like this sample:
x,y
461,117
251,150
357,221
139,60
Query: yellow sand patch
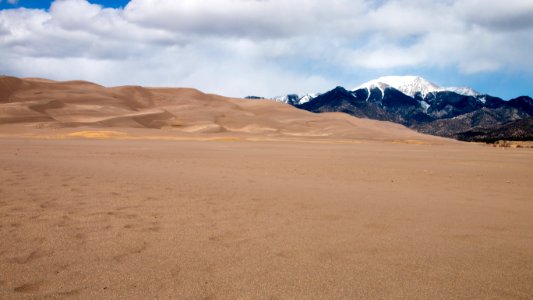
x,y
100,134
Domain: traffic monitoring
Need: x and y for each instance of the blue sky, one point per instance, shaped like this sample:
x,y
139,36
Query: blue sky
x,y
44,4
271,47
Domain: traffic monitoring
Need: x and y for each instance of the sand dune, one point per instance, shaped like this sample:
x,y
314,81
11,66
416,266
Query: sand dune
x,y
43,104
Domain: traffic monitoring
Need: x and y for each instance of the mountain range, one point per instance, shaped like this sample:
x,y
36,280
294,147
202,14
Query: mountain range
x,y
456,112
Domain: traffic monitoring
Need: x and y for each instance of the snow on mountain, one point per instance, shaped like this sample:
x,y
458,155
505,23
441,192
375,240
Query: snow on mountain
x,y
411,85
283,99
373,84
307,97
296,98
425,106
466,91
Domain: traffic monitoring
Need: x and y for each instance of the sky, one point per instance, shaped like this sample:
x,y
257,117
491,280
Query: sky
x,y
271,47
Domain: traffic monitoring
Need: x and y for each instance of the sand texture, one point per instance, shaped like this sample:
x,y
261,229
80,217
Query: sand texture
x,y
137,219
142,193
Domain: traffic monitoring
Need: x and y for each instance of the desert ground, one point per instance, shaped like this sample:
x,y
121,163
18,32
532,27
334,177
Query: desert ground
x,y
136,193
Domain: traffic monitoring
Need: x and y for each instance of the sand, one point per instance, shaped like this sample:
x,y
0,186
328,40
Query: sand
x,y
145,193
145,219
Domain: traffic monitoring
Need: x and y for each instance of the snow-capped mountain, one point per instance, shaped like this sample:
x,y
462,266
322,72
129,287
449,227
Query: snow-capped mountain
x,y
417,103
414,85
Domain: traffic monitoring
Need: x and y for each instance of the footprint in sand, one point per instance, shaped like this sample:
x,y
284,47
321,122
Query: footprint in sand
x,y
39,240
30,287
65,221
76,190
129,226
30,257
130,251
81,236
132,216
152,229
47,204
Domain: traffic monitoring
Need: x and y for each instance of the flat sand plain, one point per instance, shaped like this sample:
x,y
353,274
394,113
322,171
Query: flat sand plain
x,y
146,219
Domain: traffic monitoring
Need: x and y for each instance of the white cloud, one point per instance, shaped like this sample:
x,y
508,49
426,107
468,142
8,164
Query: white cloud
x,y
498,15
243,18
265,47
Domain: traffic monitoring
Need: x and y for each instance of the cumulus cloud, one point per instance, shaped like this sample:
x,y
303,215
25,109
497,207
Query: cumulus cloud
x,y
243,18
266,47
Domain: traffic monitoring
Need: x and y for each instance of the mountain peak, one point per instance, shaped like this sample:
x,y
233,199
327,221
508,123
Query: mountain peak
x,y
376,83
411,85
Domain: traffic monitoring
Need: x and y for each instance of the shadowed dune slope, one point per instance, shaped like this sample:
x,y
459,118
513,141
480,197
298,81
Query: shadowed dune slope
x,y
35,103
